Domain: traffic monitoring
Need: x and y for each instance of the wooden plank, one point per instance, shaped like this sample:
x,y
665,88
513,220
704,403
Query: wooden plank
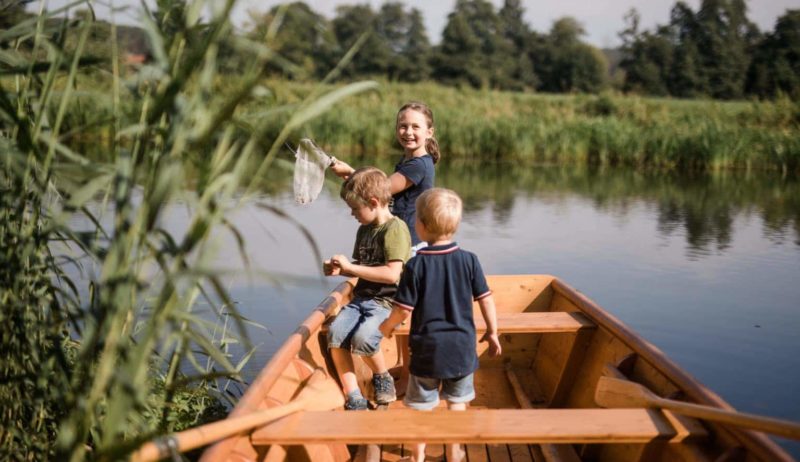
x,y
392,452
572,364
688,429
520,453
434,452
529,323
471,426
477,453
492,390
513,292
498,453
559,453
536,452
550,452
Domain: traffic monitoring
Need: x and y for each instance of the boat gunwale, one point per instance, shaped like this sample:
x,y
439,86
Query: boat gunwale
x,y
764,446
271,371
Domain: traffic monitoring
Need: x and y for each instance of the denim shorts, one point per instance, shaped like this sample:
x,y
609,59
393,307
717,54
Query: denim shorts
x,y
423,393
355,328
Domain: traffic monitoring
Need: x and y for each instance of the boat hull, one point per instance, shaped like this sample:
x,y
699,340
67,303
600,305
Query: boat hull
x,y
557,343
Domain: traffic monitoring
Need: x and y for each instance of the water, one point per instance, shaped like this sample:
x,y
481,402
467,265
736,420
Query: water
x,y
705,267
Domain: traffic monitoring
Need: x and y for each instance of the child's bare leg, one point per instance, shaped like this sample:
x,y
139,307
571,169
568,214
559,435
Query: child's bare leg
x,y
454,452
376,362
343,361
418,452
418,449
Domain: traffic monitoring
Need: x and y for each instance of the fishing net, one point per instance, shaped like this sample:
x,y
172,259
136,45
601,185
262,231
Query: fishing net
x,y
309,171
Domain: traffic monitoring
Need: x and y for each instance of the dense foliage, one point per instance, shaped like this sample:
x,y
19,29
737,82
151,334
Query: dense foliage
x,y
607,129
714,52
114,328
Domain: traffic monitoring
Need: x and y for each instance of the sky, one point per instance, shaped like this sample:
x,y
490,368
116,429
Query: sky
x,y
602,19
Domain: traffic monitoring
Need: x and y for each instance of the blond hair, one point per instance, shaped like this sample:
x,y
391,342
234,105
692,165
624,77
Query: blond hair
x,y
439,209
431,145
366,183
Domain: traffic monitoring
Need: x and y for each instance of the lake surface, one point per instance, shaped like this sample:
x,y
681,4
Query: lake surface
x,y
705,267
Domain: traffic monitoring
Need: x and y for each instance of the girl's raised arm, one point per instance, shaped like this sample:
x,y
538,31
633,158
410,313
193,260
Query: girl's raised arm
x,y
342,169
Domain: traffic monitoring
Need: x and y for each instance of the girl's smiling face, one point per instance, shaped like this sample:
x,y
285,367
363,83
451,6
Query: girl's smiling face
x,y
413,131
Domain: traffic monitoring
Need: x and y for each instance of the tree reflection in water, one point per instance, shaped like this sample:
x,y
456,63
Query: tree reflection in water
x,y
703,205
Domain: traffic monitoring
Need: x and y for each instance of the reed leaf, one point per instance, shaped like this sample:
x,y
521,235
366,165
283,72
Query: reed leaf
x,y
102,317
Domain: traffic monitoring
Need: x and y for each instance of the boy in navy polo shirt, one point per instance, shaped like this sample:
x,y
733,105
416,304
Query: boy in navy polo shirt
x,y
383,244
436,290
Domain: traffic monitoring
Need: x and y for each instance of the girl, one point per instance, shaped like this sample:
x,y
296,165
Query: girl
x,y
415,172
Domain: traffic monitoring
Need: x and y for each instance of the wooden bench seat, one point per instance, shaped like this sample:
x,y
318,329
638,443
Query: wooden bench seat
x,y
523,426
526,323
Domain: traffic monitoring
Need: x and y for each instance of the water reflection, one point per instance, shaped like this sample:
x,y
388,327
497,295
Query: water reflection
x,y
703,206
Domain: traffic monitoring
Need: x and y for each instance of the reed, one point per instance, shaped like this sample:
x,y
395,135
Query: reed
x,y
103,339
479,125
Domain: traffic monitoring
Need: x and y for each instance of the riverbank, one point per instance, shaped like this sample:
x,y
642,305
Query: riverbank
x,y
483,125
474,125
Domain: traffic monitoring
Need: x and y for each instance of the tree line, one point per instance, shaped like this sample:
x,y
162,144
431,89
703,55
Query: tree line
x,y
714,52
481,46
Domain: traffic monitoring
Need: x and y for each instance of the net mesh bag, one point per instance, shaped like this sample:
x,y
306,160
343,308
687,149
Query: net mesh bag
x,y
309,171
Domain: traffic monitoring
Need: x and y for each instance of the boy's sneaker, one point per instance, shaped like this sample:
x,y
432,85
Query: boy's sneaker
x,y
356,402
384,388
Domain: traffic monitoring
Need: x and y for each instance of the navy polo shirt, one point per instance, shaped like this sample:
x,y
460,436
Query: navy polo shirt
x,y
438,286
419,171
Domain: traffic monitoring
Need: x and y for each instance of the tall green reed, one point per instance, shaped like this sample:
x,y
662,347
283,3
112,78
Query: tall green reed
x,y
78,381
480,125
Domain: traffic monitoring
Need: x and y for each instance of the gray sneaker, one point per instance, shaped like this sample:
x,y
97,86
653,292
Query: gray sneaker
x,y
384,388
356,403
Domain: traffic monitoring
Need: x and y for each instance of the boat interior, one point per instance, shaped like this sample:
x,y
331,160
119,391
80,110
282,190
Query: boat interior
x,y
536,402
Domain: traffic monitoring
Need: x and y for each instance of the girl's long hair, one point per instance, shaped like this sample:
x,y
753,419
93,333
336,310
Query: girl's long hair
x,y
431,145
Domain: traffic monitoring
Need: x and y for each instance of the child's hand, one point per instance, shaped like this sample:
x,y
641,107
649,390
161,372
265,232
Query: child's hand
x,y
330,269
386,329
494,344
341,262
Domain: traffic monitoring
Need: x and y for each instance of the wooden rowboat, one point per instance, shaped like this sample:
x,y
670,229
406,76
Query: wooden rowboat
x,y
535,403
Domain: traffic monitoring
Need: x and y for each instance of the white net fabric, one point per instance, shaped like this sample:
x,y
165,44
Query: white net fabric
x,y
309,171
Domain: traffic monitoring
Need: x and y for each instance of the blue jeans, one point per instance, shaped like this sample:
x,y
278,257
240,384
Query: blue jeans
x,y
356,327
423,393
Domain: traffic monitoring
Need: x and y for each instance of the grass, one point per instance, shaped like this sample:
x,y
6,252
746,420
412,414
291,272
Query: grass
x,y
474,125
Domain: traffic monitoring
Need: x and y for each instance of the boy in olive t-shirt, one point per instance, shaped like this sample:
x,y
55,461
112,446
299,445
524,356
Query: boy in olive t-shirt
x,y
383,245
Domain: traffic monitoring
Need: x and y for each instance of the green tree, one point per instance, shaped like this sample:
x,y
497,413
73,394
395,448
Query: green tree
x,y
686,77
473,48
458,58
415,56
724,37
519,37
776,62
646,58
374,56
304,39
405,37
567,64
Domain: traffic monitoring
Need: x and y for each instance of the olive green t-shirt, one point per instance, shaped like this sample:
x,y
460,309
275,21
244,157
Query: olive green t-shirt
x,y
376,245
